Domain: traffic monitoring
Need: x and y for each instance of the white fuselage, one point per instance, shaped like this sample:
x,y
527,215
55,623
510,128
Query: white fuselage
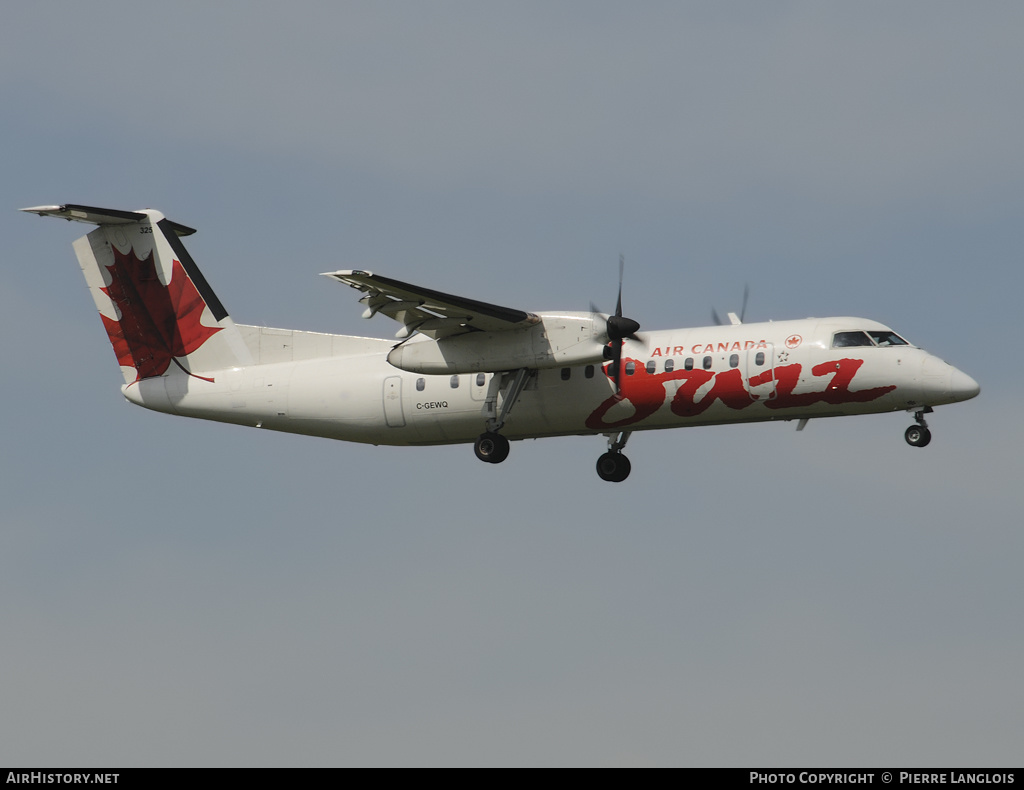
x,y
470,371
343,387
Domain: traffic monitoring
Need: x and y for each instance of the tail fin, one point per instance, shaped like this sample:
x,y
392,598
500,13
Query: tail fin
x,y
159,312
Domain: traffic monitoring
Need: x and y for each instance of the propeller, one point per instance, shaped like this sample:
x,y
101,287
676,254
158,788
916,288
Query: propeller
x,y
618,328
733,318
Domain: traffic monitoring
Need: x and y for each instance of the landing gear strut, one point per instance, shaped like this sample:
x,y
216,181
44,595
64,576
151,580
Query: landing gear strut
x,y
490,446
919,435
613,466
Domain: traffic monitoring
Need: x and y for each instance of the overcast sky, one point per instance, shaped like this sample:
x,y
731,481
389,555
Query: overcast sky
x,y
176,592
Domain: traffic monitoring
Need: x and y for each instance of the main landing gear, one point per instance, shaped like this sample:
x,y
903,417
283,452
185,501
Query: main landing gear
x,y
613,466
490,446
919,435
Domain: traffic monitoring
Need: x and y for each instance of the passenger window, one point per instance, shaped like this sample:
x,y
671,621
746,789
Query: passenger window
x,y
707,363
566,373
759,359
850,339
455,382
688,364
630,368
651,366
734,360
588,371
420,384
481,379
670,365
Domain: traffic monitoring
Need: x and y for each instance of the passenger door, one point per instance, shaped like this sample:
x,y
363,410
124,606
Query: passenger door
x,y
393,413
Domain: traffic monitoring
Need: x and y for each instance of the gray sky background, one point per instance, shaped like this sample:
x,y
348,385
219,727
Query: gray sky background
x,y
184,593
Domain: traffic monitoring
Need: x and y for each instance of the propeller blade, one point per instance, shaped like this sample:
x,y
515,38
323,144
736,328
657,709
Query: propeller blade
x,y
733,318
615,368
617,328
618,303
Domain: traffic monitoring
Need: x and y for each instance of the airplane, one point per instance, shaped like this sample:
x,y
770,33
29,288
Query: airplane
x,y
461,370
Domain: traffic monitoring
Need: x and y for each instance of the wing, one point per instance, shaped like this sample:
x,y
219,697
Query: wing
x,y
433,313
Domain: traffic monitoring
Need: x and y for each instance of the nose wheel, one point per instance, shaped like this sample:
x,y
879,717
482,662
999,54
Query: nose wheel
x,y
919,435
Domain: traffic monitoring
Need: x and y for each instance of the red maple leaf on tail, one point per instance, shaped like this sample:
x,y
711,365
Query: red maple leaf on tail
x,y
158,322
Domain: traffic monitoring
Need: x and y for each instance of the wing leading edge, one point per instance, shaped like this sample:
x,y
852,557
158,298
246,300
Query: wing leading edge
x,y
432,313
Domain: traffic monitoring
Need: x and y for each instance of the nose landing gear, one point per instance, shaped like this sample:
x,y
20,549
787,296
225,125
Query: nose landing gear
x,y
919,435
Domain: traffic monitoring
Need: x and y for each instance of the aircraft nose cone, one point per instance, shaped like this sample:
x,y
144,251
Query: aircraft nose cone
x,y
962,386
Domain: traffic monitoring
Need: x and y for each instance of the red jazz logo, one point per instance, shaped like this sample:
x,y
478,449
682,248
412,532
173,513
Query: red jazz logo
x,y
793,341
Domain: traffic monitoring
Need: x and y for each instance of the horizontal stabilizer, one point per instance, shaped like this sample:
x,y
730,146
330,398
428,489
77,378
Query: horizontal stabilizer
x,y
100,216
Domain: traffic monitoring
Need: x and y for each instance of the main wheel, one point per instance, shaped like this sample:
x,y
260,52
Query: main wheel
x,y
491,448
613,467
918,436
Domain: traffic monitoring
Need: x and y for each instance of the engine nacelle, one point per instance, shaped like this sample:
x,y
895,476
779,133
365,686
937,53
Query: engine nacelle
x,y
558,340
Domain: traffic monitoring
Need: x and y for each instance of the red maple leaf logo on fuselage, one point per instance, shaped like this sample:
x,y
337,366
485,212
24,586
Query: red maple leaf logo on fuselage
x,y
158,322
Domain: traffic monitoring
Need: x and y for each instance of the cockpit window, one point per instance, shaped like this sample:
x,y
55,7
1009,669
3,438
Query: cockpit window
x,y
848,339
888,338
